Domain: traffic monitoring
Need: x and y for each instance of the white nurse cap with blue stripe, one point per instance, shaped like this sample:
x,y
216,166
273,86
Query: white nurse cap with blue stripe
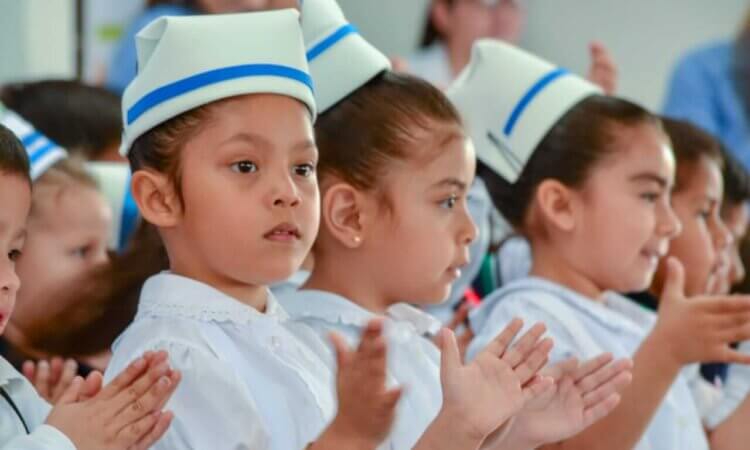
x,y
43,153
340,59
186,62
113,180
509,99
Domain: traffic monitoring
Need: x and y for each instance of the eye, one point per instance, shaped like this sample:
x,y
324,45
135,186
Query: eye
x,y
81,252
14,254
650,197
304,170
450,202
244,167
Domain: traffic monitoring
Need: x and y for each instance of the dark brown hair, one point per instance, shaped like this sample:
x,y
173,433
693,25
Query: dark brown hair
x,y
430,35
582,138
375,125
736,180
690,144
83,119
13,157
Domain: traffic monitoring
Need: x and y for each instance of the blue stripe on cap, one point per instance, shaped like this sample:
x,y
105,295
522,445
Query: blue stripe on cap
x,y
325,44
197,81
41,152
31,138
128,218
527,98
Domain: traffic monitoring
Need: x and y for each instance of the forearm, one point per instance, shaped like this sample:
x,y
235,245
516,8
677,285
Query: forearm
x,y
447,433
733,433
654,371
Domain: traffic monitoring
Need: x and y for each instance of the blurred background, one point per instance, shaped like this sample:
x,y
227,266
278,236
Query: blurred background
x,y
76,38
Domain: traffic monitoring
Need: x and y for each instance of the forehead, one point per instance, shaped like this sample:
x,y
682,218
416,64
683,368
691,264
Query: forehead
x,y
702,177
640,148
69,207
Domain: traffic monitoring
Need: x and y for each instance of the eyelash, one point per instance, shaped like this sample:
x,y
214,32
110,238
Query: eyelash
x,y
650,197
450,202
304,170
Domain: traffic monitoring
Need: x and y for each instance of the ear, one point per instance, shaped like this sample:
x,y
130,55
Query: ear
x,y
345,214
558,204
156,198
440,14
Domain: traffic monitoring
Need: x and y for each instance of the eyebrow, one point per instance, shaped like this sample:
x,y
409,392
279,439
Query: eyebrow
x,y
451,182
263,143
652,177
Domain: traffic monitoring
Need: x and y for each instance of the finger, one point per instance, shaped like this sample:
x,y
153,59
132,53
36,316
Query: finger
x,y
735,334
92,385
604,374
734,304
175,376
450,359
55,370
132,393
592,365
69,371
464,340
534,361
459,318
29,370
137,431
612,386
564,367
127,376
156,433
42,379
731,356
600,410
146,404
525,345
71,393
537,387
674,285
500,344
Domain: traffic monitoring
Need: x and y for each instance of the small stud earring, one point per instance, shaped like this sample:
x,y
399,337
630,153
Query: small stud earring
x,y
357,240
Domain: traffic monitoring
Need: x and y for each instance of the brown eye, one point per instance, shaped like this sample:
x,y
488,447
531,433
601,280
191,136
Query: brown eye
x,y
304,170
244,167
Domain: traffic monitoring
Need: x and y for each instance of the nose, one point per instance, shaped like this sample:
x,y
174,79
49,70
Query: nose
x,y
669,224
9,281
284,192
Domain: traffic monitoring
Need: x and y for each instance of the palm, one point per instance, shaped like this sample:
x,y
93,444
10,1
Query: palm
x,y
555,416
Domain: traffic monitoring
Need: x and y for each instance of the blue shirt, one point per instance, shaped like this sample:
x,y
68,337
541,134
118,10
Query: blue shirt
x,y
123,66
702,91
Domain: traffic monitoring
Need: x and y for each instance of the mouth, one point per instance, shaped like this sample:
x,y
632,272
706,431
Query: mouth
x,y
286,232
454,271
654,255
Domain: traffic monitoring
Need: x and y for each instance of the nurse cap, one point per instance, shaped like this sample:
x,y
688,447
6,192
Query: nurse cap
x,y
113,180
509,99
42,152
340,59
185,62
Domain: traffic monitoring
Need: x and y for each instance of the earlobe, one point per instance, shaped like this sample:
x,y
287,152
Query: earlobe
x,y
557,204
156,198
439,14
342,214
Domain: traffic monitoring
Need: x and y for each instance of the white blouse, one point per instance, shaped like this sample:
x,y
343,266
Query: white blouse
x,y
413,361
247,381
34,411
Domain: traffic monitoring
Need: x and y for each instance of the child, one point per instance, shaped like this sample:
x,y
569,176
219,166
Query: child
x,y
586,178
85,418
68,228
395,169
223,159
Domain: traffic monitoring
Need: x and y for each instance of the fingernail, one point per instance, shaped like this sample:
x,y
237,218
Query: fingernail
x,y
164,382
43,364
139,363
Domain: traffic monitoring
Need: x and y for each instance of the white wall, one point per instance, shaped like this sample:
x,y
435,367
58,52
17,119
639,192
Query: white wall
x,y
37,39
645,36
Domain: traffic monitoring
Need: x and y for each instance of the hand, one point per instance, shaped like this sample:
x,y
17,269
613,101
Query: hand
x,y
51,379
366,407
484,394
126,414
582,395
700,329
603,70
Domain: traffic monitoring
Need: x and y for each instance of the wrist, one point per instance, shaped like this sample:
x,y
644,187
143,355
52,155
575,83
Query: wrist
x,y
340,435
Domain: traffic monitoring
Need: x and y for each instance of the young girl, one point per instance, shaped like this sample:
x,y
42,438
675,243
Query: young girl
x,y
395,169
586,178
223,159
124,415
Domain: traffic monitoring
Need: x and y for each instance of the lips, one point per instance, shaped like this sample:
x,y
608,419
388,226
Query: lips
x,y
285,232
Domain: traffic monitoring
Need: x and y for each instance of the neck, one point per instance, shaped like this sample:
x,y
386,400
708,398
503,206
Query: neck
x,y
357,285
251,295
548,263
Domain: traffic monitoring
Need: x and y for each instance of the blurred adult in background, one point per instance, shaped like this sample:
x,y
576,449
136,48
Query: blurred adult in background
x,y
122,67
710,87
453,26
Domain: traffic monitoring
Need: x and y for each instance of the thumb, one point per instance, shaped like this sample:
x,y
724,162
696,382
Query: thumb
x,y
674,284
341,349
91,385
450,358
71,393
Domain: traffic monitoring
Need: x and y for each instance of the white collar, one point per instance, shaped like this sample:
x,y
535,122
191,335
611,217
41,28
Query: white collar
x,y
8,373
334,308
170,295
